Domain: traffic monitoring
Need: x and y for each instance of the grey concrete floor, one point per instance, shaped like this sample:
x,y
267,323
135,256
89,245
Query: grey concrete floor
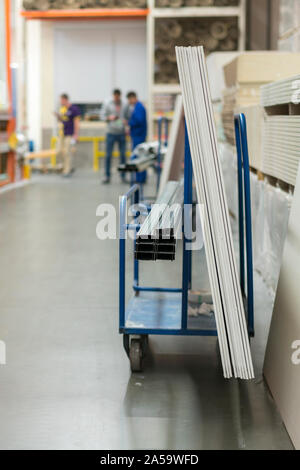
x,y
67,384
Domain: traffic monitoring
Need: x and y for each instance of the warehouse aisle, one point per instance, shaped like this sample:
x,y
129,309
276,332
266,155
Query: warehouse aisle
x,y
67,383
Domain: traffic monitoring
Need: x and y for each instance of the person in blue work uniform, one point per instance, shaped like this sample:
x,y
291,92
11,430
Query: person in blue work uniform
x,y
138,126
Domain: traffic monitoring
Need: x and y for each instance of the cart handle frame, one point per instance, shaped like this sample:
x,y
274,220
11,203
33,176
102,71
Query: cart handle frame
x,y
134,192
245,223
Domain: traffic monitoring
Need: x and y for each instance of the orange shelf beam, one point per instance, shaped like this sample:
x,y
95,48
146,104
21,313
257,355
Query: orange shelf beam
x,y
85,13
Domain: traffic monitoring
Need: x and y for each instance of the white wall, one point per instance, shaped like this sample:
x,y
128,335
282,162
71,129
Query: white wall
x,y
47,75
33,80
3,78
39,79
90,59
18,56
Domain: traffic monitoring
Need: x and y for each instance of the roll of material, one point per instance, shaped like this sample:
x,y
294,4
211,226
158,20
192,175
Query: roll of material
x,y
219,30
194,3
213,34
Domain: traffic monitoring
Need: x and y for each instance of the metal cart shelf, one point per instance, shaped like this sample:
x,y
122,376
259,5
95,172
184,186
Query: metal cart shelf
x,y
164,311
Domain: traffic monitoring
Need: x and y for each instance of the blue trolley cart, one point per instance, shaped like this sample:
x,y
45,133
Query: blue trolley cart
x,y
164,311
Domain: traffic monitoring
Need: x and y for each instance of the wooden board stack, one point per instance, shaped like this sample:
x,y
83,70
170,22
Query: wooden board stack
x,y
234,98
281,138
227,297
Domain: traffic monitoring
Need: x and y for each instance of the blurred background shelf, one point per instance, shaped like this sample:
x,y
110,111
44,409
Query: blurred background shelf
x,y
219,28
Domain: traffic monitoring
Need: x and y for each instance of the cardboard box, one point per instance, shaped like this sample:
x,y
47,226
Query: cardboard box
x,y
261,67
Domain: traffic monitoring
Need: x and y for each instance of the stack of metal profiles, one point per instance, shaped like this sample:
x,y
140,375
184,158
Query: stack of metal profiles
x,y
138,164
143,156
156,239
227,296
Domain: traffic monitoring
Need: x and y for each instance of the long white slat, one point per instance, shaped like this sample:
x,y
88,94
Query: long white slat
x,y
217,229
215,178
210,249
230,315
225,357
225,212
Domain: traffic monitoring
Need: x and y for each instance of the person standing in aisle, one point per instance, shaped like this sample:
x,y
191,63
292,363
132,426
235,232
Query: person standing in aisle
x,y
114,114
69,119
138,127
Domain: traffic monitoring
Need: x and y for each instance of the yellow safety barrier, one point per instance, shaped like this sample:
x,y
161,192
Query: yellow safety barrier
x,y
27,171
96,152
50,153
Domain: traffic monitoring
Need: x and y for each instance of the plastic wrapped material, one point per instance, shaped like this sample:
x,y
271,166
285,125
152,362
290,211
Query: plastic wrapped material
x,y
229,168
256,187
270,231
217,107
289,30
215,63
270,214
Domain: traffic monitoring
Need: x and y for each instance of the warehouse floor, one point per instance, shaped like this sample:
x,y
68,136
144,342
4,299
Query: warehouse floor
x,y
67,382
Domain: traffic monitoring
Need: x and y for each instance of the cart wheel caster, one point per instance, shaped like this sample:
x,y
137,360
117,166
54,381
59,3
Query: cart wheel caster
x,y
136,355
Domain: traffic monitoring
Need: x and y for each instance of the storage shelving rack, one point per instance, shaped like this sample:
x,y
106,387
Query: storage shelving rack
x,y
152,14
7,120
155,13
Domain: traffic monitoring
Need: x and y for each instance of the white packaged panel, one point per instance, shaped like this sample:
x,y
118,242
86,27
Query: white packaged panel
x,y
282,361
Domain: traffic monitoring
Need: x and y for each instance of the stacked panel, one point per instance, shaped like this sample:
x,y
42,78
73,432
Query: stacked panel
x,y
281,147
281,92
281,133
227,296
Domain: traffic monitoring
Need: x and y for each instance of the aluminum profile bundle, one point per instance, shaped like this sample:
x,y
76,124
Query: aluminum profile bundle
x,y
143,156
138,164
226,291
156,239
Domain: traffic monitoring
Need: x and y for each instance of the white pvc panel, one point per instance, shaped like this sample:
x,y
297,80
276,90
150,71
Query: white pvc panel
x,y
229,310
